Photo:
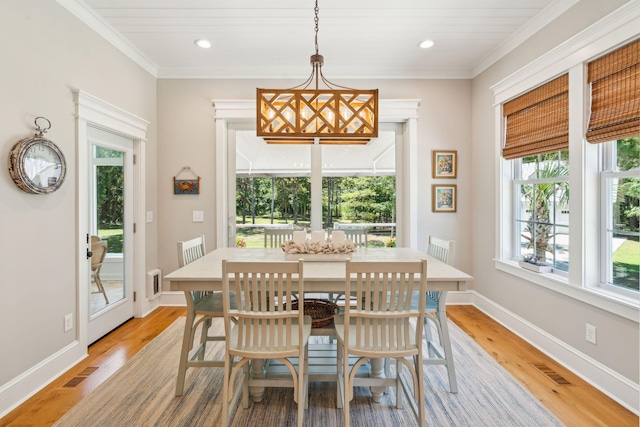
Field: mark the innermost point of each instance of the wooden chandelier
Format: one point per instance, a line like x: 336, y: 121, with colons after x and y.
x: 290, y: 116
x: 335, y: 115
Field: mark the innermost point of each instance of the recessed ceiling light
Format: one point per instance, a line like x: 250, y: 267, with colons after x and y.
x: 205, y: 44
x: 426, y: 44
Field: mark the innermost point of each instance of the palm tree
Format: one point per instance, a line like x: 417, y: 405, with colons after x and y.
x: 540, y: 198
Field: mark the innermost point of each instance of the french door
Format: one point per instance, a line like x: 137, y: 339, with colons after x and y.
x: 111, y: 221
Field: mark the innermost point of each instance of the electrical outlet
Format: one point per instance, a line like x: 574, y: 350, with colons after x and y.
x: 591, y: 333
x: 198, y: 216
x: 68, y: 322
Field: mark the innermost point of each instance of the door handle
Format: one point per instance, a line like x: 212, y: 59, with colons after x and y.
x: 89, y: 253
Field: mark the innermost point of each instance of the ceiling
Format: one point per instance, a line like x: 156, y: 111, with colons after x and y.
x: 358, y: 38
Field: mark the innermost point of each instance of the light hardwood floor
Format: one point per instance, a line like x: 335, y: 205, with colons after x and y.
x: 576, y: 403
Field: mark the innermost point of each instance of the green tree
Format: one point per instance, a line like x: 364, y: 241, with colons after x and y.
x: 541, y: 199
x: 369, y: 199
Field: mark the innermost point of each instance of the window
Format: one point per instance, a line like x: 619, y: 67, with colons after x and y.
x: 620, y: 181
x: 577, y: 206
x: 542, y: 214
x: 536, y: 142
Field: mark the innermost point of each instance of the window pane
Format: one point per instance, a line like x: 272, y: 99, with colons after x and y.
x: 564, y: 163
x: 103, y: 152
x: 560, y: 249
x: 529, y: 167
x: 625, y: 261
x: 628, y: 153
x: 359, y: 189
x: 624, y: 244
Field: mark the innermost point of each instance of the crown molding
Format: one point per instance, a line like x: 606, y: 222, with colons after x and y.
x: 537, y: 23
x: 612, y: 31
x: 85, y: 14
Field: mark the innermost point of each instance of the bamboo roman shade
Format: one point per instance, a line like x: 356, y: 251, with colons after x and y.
x: 538, y: 121
x: 615, y: 95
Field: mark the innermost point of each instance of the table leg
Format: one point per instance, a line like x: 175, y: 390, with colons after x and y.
x: 257, y: 371
x: 377, y: 371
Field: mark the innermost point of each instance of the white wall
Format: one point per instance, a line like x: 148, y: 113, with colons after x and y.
x: 186, y: 137
x: 554, y: 317
x: 47, y: 53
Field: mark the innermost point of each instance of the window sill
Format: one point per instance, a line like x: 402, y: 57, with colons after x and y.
x: 621, y: 306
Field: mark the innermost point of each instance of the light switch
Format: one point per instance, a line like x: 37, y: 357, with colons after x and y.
x: 198, y: 216
x: 149, y: 216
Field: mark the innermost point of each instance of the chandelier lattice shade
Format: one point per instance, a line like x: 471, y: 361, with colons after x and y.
x: 303, y: 115
x: 334, y: 116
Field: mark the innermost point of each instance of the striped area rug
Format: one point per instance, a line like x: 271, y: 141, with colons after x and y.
x: 141, y: 393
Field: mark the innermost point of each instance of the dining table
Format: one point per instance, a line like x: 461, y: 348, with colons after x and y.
x: 322, y: 274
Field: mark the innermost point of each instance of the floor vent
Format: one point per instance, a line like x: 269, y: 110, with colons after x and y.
x: 553, y: 375
x: 81, y: 376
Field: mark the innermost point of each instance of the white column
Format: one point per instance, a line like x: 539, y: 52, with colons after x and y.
x: 316, y: 187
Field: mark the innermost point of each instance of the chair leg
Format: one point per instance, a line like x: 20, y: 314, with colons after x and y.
x: 339, y: 374
x: 399, y: 388
x: 206, y: 324
x: 101, y: 288
x: 301, y: 389
x: 347, y: 390
x: 448, y: 355
x: 428, y: 335
x: 419, y: 393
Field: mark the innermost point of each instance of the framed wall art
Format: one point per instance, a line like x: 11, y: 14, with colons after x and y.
x: 186, y: 184
x: 443, y: 198
x: 444, y: 164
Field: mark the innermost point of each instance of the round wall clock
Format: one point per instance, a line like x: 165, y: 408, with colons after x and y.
x: 36, y: 164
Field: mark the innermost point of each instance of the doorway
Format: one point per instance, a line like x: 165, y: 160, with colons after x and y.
x: 110, y: 220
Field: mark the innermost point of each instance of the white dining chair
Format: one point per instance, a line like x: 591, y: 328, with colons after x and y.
x: 202, y: 308
x: 436, y: 312
x: 357, y: 235
x: 275, y: 237
x: 99, y: 249
x: 387, y: 324
x: 262, y: 327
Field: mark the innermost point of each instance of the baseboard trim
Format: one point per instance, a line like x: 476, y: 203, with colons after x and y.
x: 19, y: 389
x: 172, y: 298
x: 611, y: 383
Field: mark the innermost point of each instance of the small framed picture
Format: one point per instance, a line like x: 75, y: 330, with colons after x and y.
x: 444, y: 164
x: 443, y: 198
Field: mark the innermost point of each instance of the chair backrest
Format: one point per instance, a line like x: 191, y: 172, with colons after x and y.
x: 95, y: 238
x: 387, y: 303
x: 357, y: 236
x: 190, y: 250
x: 98, y: 253
x: 443, y: 250
x: 275, y: 237
x: 264, y: 317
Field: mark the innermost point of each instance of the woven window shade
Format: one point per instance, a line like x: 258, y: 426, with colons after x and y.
x: 538, y: 121
x: 615, y: 95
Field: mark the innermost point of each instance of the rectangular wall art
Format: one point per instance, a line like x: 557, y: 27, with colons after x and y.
x: 443, y: 198
x: 444, y: 164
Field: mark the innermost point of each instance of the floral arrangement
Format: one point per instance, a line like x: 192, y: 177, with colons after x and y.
x: 323, y: 247
x: 391, y: 243
x: 240, y: 243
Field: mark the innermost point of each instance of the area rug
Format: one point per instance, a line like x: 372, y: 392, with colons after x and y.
x: 141, y: 393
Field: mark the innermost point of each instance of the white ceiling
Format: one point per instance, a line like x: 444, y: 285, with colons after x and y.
x: 358, y: 38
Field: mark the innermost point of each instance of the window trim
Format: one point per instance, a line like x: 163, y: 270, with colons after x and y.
x: 611, y: 32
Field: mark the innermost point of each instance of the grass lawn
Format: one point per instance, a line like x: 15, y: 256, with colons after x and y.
x: 114, y: 238
x: 626, y: 265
